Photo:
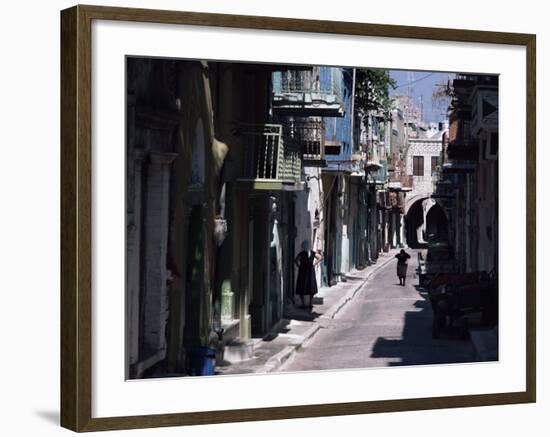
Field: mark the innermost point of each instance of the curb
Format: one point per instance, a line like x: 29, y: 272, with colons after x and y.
x: 277, y: 360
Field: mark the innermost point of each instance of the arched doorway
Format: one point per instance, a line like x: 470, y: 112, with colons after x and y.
x: 414, y: 223
x: 425, y: 220
x: 436, y: 224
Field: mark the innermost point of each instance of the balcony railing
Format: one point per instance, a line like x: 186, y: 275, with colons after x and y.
x: 314, y: 92
x: 310, y: 135
x: 271, y: 160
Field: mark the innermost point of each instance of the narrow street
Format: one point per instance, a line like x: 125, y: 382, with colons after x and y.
x: 306, y: 174
x: 385, y: 325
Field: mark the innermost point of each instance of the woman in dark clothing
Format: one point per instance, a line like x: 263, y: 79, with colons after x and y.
x: 306, y: 283
x: 402, y: 258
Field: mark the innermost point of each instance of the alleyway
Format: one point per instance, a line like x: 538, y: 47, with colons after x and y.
x: 385, y: 325
x: 249, y: 186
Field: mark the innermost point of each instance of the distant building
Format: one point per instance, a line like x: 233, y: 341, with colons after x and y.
x: 424, y: 216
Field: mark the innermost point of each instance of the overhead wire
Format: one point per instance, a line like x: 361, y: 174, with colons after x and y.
x: 414, y: 81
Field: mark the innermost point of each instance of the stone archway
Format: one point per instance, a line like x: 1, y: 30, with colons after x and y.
x: 425, y: 219
x: 436, y: 223
x: 414, y: 224
x: 412, y: 198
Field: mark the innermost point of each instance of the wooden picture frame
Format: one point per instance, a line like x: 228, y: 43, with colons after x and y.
x: 76, y: 217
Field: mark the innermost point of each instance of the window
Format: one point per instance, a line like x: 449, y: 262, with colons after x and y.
x: 435, y: 163
x: 418, y: 166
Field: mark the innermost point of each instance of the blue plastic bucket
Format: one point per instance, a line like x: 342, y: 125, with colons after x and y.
x: 203, y: 361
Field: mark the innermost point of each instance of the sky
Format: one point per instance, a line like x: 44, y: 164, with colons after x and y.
x: 423, y: 87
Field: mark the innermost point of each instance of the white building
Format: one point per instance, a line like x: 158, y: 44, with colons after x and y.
x: 422, y: 163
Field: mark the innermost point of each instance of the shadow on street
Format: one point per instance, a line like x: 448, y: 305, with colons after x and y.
x: 416, y: 346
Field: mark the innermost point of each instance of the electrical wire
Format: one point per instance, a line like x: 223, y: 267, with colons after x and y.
x: 414, y: 81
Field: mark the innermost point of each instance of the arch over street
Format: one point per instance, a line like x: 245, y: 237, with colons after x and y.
x: 425, y: 219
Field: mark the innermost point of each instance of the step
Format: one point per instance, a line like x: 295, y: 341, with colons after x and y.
x: 236, y: 350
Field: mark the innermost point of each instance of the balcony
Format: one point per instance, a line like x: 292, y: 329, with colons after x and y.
x: 310, y: 135
x: 399, y: 182
x: 377, y: 172
x: 308, y: 93
x: 372, y: 164
x: 460, y: 126
x: 271, y: 161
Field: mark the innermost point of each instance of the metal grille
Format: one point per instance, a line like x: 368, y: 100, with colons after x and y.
x: 310, y: 135
x: 268, y: 156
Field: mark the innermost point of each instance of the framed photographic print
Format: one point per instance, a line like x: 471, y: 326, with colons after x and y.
x: 267, y: 218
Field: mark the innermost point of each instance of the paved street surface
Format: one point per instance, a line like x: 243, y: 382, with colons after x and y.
x: 384, y: 325
x: 299, y: 325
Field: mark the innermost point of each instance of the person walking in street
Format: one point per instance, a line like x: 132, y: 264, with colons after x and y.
x: 402, y: 258
x: 306, y: 283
